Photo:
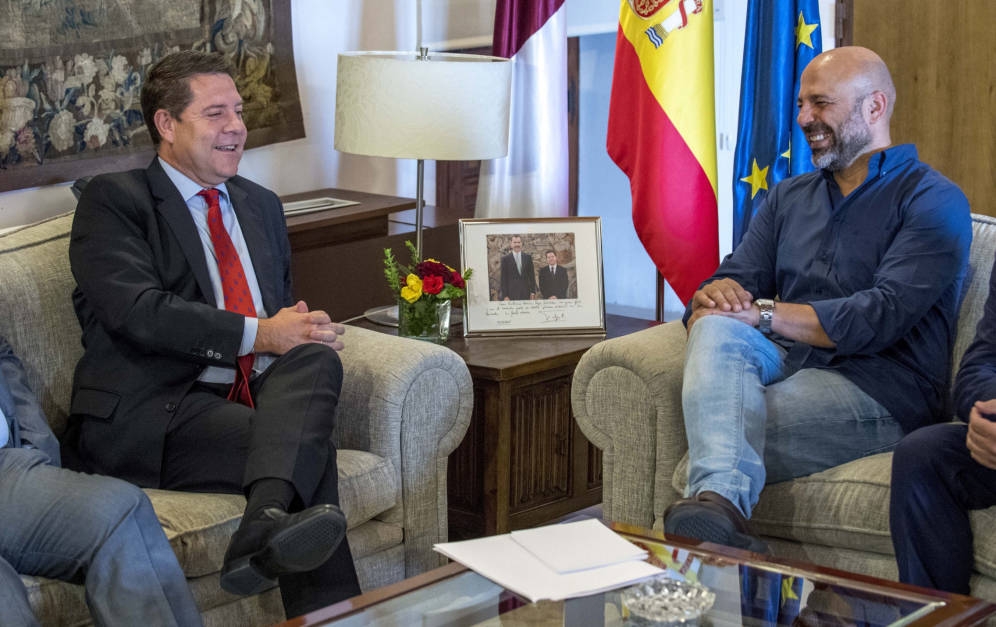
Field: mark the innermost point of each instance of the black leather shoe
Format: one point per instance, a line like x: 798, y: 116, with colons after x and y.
x: 710, y: 517
x: 274, y: 543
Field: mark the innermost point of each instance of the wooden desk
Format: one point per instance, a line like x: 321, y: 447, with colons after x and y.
x: 370, y: 218
x: 524, y: 460
x: 337, y: 255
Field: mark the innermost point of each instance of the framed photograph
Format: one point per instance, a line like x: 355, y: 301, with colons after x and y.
x: 537, y: 276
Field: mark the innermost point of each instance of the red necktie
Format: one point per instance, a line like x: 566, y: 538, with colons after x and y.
x: 234, y: 287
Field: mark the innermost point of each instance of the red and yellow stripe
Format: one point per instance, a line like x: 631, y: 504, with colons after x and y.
x: 662, y: 134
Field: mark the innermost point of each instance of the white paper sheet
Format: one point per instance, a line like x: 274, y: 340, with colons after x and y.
x: 577, y: 546
x: 506, y: 562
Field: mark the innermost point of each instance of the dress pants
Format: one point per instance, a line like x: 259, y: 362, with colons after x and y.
x: 215, y: 445
x: 935, y: 483
x: 100, y: 531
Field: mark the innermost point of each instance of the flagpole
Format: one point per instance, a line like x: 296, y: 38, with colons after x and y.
x: 659, y: 313
x: 418, y: 25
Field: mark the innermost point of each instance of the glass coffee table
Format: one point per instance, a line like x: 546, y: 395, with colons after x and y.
x: 750, y: 589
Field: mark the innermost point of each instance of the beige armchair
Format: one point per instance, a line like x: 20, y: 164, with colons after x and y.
x: 405, y: 406
x: 626, y: 398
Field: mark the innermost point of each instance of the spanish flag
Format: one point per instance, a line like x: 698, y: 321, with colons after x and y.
x: 662, y: 134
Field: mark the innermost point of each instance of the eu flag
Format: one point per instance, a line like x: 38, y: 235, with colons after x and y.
x: 782, y: 37
x: 769, y: 598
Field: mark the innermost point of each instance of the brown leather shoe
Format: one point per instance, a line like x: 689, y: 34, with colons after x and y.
x: 710, y: 517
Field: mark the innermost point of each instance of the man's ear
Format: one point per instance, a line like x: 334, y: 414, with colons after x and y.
x: 877, y: 105
x: 165, y: 124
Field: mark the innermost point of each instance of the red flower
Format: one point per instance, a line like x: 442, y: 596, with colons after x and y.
x: 458, y: 281
x: 431, y: 267
x: 432, y: 284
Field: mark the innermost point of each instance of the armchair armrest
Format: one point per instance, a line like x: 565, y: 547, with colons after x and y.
x: 410, y: 402
x: 626, y: 397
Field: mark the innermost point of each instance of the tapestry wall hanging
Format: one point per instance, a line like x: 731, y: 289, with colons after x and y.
x: 71, y: 72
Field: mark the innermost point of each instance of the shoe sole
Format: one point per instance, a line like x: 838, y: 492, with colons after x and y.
x: 241, y: 578
x: 300, y: 548
x: 306, y: 546
x: 708, y: 526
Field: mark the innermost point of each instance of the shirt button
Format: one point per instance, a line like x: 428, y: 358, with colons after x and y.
x: 171, y: 407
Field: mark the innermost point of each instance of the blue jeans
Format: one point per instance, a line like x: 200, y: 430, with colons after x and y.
x: 749, y: 424
x: 97, y: 530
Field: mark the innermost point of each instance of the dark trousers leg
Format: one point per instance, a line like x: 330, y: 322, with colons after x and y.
x: 935, y: 483
x: 214, y: 445
x: 334, y: 580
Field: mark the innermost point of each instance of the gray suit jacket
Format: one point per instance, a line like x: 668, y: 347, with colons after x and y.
x: 146, y: 305
x: 25, y: 418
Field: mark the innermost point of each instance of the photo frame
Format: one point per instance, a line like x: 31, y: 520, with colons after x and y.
x: 555, y: 287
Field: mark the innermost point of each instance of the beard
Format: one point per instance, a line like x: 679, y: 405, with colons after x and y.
x: 846, y: 143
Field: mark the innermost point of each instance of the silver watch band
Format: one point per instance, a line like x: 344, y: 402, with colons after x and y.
x: 767, y: 308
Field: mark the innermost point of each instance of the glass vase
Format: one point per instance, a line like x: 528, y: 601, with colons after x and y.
x: 424, y: 319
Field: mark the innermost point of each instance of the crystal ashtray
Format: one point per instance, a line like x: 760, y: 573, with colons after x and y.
x: 665, y: 601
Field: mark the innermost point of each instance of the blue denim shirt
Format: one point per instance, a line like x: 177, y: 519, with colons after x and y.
x: 883, y: 269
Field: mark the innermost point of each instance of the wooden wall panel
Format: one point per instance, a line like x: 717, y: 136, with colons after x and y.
x: 943, y: 60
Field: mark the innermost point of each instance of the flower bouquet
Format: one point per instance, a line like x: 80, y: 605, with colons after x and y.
x: 425, y: 290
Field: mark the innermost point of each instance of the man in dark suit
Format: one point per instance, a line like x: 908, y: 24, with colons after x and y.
x: 552, y: 278
x: 200, y: 372
x: 72, y: 526
x: 518, y: 279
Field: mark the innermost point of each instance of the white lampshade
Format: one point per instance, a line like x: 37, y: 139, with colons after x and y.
x: 446, y: 107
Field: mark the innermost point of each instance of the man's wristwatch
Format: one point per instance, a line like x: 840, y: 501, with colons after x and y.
x: 767, y: 309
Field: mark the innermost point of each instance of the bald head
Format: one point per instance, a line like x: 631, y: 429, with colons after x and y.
x: 859, y: 68
x: 846, y: 97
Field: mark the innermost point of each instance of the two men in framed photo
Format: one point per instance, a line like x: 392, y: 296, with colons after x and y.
x: 533, y: 272
x: 538, y: 276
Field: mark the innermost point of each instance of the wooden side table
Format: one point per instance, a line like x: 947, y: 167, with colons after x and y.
x: 338, y: 254
x: 524, y: 460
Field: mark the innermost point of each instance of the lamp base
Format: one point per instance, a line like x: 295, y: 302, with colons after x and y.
x: 386, y: 315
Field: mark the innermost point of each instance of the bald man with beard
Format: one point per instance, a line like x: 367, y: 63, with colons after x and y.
x: 826, y: 335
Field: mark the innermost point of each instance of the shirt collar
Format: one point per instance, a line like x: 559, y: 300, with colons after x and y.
x: 882, y: 162
x: 187, y: 188
x: 885, y: 160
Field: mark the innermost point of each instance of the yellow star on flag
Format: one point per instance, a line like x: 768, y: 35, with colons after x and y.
x: 787, y: 591
x: 803, y: 32
x: 788, y: 153
x: 758, y: 179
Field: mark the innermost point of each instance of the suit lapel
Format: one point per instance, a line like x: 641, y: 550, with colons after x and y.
x: 174, y: 209
x: 251, y: 223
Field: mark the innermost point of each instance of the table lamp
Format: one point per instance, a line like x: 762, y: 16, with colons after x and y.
x: 417, y: 105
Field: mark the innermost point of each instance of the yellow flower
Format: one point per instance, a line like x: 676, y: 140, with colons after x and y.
x: 413, y: 290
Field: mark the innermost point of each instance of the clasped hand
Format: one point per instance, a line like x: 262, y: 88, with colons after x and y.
x: 981, y: 439
x: 724, y: 297
x: 293, y: 326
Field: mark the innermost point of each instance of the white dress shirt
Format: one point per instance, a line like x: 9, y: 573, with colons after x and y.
x: 4, y: 429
